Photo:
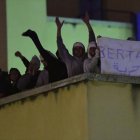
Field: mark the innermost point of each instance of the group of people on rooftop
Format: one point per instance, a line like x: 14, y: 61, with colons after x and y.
x: 59, y: 67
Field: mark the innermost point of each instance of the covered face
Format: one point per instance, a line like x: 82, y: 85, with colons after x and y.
x: 78, y: 50
x: 91, y: 49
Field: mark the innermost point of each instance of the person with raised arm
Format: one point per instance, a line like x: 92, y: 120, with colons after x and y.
x: 23, y: 59
x: 29, y: 79
x: 56, y: 68
x: 74, y: 63
x: 5, y: 85
x: 92, y: 63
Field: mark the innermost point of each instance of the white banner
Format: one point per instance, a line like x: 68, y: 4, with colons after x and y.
x: 121, y: 57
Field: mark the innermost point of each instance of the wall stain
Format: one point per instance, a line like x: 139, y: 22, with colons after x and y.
x: 56, y: 92
x: 23, y: 100
x: 33, y: 98
x: 135, y: 93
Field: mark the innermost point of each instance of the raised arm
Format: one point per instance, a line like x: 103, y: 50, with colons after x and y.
x: 59, y: 36
x: 90, y: 30
x: 63, y: 52
x: 52, y: 61
x: 34, y: 37
x: 47, y: 55
x: 23, y: 59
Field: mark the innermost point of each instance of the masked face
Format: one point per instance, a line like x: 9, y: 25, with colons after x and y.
x: 78, y: 51
x: 92, y: 51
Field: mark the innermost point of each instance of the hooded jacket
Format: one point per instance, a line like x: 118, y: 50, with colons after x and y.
x: 91, y: 64
x: 74, y: 64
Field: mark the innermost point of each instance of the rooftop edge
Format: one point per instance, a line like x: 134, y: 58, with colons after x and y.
x: 69, y: 81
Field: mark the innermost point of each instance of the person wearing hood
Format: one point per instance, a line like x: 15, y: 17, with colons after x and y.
x: 29, y: 79
x: 73, y: 63
x: 92, y: 63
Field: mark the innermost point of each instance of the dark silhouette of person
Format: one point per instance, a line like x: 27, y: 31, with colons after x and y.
x: 5, y: 86
x: 14, y: 76
x: 57, y: 70
x: 29, y: 79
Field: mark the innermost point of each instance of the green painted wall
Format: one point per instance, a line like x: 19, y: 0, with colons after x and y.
x: 112, y: 111
x: 22, y: 15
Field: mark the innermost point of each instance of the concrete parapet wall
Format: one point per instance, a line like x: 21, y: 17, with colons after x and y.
x: 83, y: 107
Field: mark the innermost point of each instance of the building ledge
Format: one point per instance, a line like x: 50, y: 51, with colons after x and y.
x: 69, y: 81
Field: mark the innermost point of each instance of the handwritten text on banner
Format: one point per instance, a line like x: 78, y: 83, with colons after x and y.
x: 121, y: 57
